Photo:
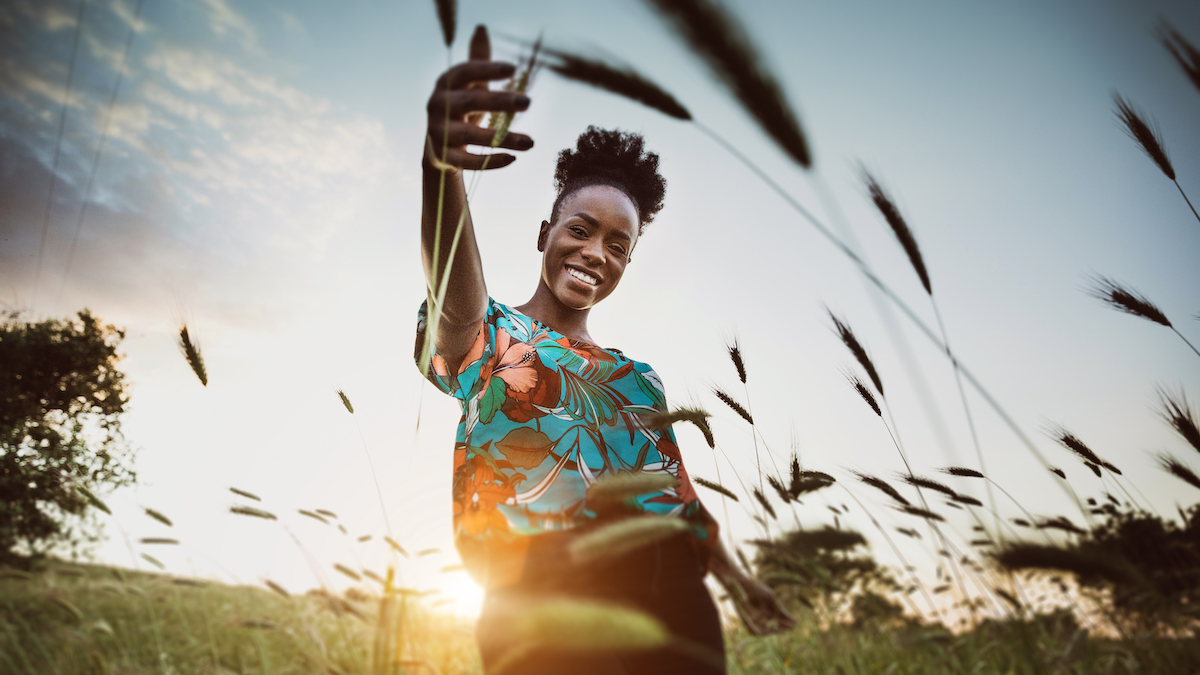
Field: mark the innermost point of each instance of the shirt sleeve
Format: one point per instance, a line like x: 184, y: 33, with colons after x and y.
x: 473, y: 375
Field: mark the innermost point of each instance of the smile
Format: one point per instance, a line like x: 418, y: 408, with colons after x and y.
x: 583, y: 276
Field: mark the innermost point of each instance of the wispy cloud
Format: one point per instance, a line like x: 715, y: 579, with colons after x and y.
x: 224, y: 20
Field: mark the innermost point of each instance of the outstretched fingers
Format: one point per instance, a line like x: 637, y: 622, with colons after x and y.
x: 465, y: 160
x: 463, y: 74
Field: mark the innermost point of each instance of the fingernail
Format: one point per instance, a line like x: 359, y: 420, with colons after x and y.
x: 522, y: 102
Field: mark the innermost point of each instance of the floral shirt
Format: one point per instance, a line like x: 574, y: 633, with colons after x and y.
x: 543, y: 418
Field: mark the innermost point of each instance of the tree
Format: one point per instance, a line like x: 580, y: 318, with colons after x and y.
x: 61, y: 401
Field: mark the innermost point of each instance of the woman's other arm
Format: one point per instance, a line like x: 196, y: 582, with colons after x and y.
x: 460, y: 91
x: 756, y: 603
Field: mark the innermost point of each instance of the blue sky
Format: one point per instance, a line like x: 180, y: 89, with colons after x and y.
x: 260, y: 182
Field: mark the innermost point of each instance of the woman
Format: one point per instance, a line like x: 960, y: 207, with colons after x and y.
x: 547, y: 412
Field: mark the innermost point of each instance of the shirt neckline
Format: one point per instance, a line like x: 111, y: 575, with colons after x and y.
x: 572, y: 342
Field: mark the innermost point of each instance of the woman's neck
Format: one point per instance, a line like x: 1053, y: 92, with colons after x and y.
x: 548, y: 310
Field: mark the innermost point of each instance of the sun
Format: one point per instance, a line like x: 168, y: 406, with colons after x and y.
x: 465, y: 594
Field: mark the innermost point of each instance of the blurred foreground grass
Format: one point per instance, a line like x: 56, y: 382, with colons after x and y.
x: 68, y: 618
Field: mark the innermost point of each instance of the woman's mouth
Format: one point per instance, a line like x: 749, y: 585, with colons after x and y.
x: 583, y: 276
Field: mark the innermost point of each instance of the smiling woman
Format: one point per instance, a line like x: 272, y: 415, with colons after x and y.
x: 548, y: 413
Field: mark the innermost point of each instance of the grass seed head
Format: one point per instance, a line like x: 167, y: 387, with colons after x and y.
x: 1187, y: 56
x: 1174, y: 408
x: 1126, y: 300
x: 1178, y: 469
x: 861, y: 387
x: 762, y: 499
x: 622, y: 485
x: 277, y: 588
x: 159, y: 517
x: 900, y: 228
x: 717, y: 37
x: 623, y: 536
x: 715, y: 487
x: 93, y: 499
x: 733, y: 405
x: 247, y: 495
x: 191, y: 352
x: 860, y: 354
x: 920, y: 513
x: 159, y: 540
x: 962, y: 472
x: 347, y: 571
x: 579, y: 625
x: 620, y: 80
x: 1145, y: 135
x: 447, y: 14
x: 929, y: 484
x: 251, y: 511
x: 695, y: 416
x: 968, y: 500
x: 882, y: 486
x: 784, y: 493
x: 345, y: 401
x: 735, y: 355
x: 396, y: 546
x: 312, y: 515
x: 1058, y: 472
x: 153, y: 561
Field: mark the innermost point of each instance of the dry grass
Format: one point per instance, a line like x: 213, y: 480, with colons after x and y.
x: 191, y: 352
x: 860, y: 354
x: 1126, y: 300
x: 861, y: 387
x: 900, y: 228
x: 1175, y: 410
x: 695, y: 416
x: 882, y: 486
x: 447, y: 14
x: 623, y: 536
x: 715, y: 487
x: 345, y: 401
x: 717, y: 37
x: 929, y: 484
x: 1187, y: 56
x: 1142, y: 132
x: 962, y: 472
x: 620, y: 80
x: 733, y: 405
x: 1178, y: 469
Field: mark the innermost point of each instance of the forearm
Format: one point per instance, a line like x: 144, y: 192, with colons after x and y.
x: 444, y: 210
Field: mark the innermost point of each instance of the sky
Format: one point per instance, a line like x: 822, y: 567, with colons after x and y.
x: 258, y: 179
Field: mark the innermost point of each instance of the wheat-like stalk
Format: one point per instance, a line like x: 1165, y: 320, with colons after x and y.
x: 861, y: 387
x: 447, y: 14
x: 347, y: 571
x: 784, y: 493
x: 1072, y: 443
x: 277, y: 588
x: 1147, y: 138
x: 621, y: 80
x: 920, y: 512
x: 1176, y: 411
x: 247, y: 495
x: 715, y: 487
x: 733, y: 405
x: 314, y: 516
x: 159, y: 541
x: 622, y: 485
x: 623, y: 536
x: 962, y: 472
x: 966, y: 499
x: 1178, y: 469
x: 735, y: 355
x: 717, y: 37
x: 846, y: 334
x: 191, y: 351
x: 1059, y: 523
x: 251, y: 511
x: 1187, y: 56
x: 695, y: 416
x: 1058, y: 472
x: 153, y: 561
x: 928, y: 483
x: 396, y: 546
x: 1126, y: 300
x: 900, y: 228
x: 93, y: 499
x: 882, y: 486
x: 159, y: 517
x: 762, y: 499
x: 345, y: 401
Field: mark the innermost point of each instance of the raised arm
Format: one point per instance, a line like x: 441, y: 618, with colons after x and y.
x: 460, y: 91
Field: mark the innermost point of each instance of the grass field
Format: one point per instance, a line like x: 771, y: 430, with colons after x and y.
x: 69, y: 618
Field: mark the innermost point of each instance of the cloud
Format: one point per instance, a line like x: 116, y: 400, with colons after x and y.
x: 222, y: 20
x: 292, y: 24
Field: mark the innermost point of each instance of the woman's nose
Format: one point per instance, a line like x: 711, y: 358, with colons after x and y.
x: 594, y: 250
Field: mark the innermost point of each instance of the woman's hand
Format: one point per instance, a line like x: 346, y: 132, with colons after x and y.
x: 755, y: 602
x: 455, y: 109
x: 757, y: 605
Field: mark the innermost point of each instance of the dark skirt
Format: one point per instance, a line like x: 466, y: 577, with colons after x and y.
x: 664, y: 580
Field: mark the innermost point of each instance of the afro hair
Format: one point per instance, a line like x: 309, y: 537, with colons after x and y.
x: 614, y: 158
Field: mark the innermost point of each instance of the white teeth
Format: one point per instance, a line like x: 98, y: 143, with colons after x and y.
x: 582, y: 276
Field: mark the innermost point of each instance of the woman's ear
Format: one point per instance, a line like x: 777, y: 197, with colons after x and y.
x: 543, y: 232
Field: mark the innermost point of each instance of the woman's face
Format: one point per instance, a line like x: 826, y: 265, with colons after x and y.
x: 584, y: 254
